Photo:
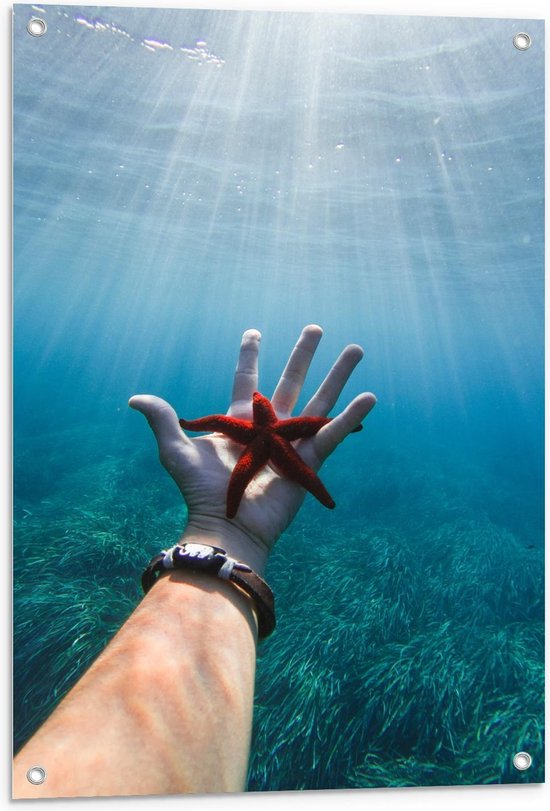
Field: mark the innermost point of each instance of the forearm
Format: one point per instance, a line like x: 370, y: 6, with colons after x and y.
x: 167, y: 707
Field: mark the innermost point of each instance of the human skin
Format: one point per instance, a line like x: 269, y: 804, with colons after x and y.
x: 166, y: 709
x: 167, y: 706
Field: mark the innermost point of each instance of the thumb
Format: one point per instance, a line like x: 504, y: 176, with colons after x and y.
x: 161, y: 417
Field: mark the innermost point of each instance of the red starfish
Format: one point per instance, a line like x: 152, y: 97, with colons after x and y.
x: 266, y: 439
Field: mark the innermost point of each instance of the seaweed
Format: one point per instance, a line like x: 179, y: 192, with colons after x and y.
x: 409, y: 648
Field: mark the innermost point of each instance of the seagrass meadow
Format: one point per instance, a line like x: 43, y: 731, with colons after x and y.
x: 409, y: 647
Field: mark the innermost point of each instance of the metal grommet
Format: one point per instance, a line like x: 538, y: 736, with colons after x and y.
x: 522, y: 761
x: 36, y: 775
x: 37, y: 27
x: 522, y: 41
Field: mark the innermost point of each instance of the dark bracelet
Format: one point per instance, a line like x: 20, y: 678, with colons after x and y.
x: 200, y: 557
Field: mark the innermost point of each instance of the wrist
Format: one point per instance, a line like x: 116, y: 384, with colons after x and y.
x: 179, y: 589
x: 198, y: 555
x: 235, y: 541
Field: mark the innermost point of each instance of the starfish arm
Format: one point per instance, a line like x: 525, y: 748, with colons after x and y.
x: 290, y: 464
x: 304, y: 427
x: 240, y: 431
x: 300, y: 427
x: 250, y: 461
x: 263, y: 412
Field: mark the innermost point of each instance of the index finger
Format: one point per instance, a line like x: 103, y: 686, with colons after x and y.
x: 245, y: 382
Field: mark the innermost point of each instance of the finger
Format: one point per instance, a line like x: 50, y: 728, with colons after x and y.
x: 330, y: 389
x: 293, y: 376
x: 245, y: 382
x: 161, y: 417
x: 337, y: 429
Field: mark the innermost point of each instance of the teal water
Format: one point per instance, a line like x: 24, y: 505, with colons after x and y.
x: 180, y: 176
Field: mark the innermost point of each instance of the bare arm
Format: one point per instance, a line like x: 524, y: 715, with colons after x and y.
x: 167, y: 707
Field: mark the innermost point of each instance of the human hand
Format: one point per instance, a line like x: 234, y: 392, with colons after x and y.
x: 202, y: 466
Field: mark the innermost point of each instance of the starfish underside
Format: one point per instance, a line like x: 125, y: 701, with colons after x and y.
x: 266, y: 439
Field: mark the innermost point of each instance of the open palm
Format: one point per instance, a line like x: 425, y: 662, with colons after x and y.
x: 202, y: 466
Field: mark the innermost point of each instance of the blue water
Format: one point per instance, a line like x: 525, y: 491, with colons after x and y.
x: 181, y: 176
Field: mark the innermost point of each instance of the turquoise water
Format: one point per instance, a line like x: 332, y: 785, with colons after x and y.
x: 181, y: 176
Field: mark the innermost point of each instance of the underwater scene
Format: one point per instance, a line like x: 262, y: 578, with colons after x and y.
x: 181, y: 176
